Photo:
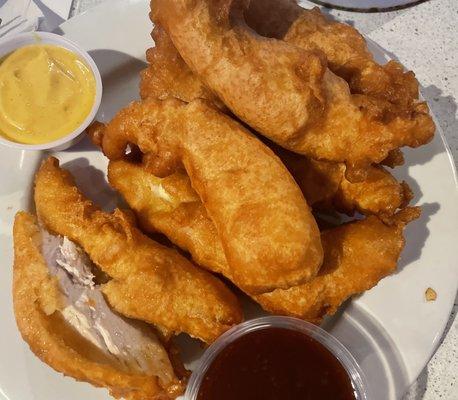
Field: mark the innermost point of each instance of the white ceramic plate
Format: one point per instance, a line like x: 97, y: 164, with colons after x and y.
x: 391, y: 330
x: 365, y: 5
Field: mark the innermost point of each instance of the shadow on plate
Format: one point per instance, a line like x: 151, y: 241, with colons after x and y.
x: 16, y: 177
x: 120, y: 78
x: 445, y: 110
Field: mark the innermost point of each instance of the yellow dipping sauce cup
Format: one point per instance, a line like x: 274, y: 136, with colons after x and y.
x: 50, y: 90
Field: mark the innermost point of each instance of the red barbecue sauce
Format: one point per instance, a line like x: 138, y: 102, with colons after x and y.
x: 276, y: 364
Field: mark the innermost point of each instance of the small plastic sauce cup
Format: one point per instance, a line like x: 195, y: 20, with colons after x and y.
x: 329, y: 342
x: 10, y: 44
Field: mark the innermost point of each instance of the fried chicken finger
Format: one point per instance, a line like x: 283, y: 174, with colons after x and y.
x: 344, y: 48
x: 288, y: 93
x: 269, y: 235
x: 357, y: 255
x: 148, y: 281
x: 143, y: 372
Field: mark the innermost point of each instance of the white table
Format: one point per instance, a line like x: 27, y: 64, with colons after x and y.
x: 425, y: 39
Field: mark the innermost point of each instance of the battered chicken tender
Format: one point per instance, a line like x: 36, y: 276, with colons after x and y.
x: 326, y: 188
x: 344, y: 48
x: 323, y: 184
x: 356, y: 255
x: 148, y: 282
x: 39, y: 314
x: 380, y: 194
x: 171, y: 206
x: 268, y: 233
x: 287, y: 93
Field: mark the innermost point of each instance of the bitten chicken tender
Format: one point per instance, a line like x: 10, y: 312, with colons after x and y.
x: 268, y: 233
x: 148, y: 282
x: 38, y: 307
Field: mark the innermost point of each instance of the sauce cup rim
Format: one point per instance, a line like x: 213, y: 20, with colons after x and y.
x: 339, y: 351
x: 12, y: 43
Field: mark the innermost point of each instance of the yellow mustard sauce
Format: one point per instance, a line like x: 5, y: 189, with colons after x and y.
x: 46, y: 92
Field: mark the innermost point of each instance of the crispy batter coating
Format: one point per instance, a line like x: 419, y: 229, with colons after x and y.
x: 356, y: 255
x: 36, y: 301
x: 287, y: 93
x: 379, y: 194
x: 326, y: 187
x: 171, y: 206
x: 261, y: 68
x: 395, y: 158
x: 268, y: 233
x: 344, y: 47
x: 168, y: 75
x: 148, y: 281
x: 323, y: 184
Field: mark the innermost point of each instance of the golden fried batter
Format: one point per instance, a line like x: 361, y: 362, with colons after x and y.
x: 344, y: 48
x: 378, y: 194
x: 287, y: 93
x: 148, y: 281
x: 36, y: 300
x: 323, y: 183
x: 326, y: 188
x: 168, y: 76
x: 171, y: 206
x: 268, y: 233
x: 356, y: 255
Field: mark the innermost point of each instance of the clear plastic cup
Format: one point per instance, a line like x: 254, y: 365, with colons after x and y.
x: 330, y: 342
x: 9, y: 44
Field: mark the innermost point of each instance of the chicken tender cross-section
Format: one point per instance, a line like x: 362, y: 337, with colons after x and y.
x: 67, y: 323
x: 148, y: 281
x: 269, y: 236
x: 285, y: 92
x: 356, y: 255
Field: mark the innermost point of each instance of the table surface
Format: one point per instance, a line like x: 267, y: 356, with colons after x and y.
x: 423, y: 38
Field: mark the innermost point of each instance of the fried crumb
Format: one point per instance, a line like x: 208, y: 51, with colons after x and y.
x: 430, y: 294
